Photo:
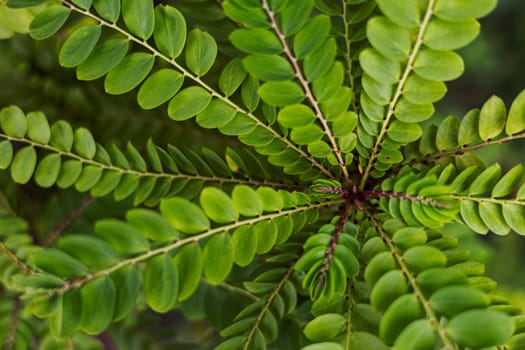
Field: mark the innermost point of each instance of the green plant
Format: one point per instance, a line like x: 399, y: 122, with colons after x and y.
x: 330, y: 232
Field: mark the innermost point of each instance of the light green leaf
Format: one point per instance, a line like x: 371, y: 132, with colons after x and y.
x: 469, y: 128
x: 79, y: 45
x: 438, y: 65
x: 442, y: 35
x: 184, y: 215
x: 492, y: 216
x: 486, y: 180
x: 151, y: 225
x: 387, y: 289
x: 244, y: 245
x: 218, y: 258
x: 323, y: 346
x: 218, y: 206
x: 457, y: 10
x: 451, y: 300
x: 69, y: 173
x: 256, y: 41
x: 379, y: 67
x: 281, y: 93
x: 88, y: 178
x: 422, y: 91
x: 470, y: 214
x: 123, y: 237
x: 23, y: 165
x: 311, y: 36
x: 403, y: 13
x: 325, y: 327
x: 49, y: 21
x: 65, y: 320
x: 218, y: 113
x: 107, y: 9
x: 389, y: 39
x: 508, y: 182
x: 127, y: 283
x: 139, y: 17
x: 92, y: 251
x: 247, y: 201
x: 13, y: 121
x: 266, y: 235
x: 403, y: 311
x: 161, y: 283
x: 412, y: 113
x: 404, y: 132
x: 424, y: 257
x: 418, y: 335
x: 293, y: 18
x: 318, y: 62
x: 200, y: 52
x: 47, y: 170
x: 492, y: 118
x: 159, y: 88
x: 98, y: 303
x: 129, y: 73
x: 6, y: 154
x: 253, y: 17
x: 169, y: 30
x: 465, y: 328
x: 514, y: 215
x: 305, y: 135
x: 189, y: 263
x: 268, y: 67
x: 38, y: 128
x: 104, y: 57
x: 447, y: 134
x: 84, y: 143
x: 364, y: 341
x: 296, y: 115
x: 58, y: 263
x: 188, y: 103
x: 232, y: 76
x: 516, y: 118
x: 83, y: 4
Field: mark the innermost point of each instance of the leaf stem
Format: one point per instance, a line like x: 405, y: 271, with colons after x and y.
x: 431, y: 315
x: 79, y: 282
x: 348, y: 57
x: 267, y: 305
x: 399, y: 92
x: 200, y: 82
x: 307, y: 91
x: 143, y: 174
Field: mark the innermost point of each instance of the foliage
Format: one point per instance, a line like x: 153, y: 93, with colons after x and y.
x: 323, y: 225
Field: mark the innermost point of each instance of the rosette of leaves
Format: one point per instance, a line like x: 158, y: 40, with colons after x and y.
x: 327, y: 230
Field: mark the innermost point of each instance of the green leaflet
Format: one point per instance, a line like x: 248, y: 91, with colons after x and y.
x: 79, y: 45
x: 92, y: 251
x: 200, y: 52
x: 102, y: 59
x: 47, y: 171
x: 48, y: 22
x: 379, y: 67
x: 84, y: 143
x: 244, y: 245
x: 457, y: 10
x: 152, y: 225
x: 58, y: 263
x: 107, y: 9
x: 98, y: 302
x: 492, y: 118
x: 405, y: 14
x: 188, y: 103
x: 189, y: 263
x: 169, y: 31
x: 438, y: 65
x: 161, y: 283
x: 129, y: 73
x: 293, y: 17
x: 403, y: 311
x: 13, y: 121
x: 516, y: 118
x: 38, y: 128
x: 159, y: 88
x: 443, y: 35
x: 218, y: 258
x: 268, y: 67
x: 65, y: 320
x: 127, y: 285
x: 218, y: 206
x: 463, y: 328
x: 417, y: 335
x: 6, y: 154
x: 325, y: 327
x: 281, y: 93
x: 216, y: 114
x: 246, y: 201
x: 232, y: 76
x: 139, y: 17
x: 23, y: 165
x: 123, y: 237
x: 311, y: 36
x: 256, y: 41
x: 184, y: 215
x: 389, y: 39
